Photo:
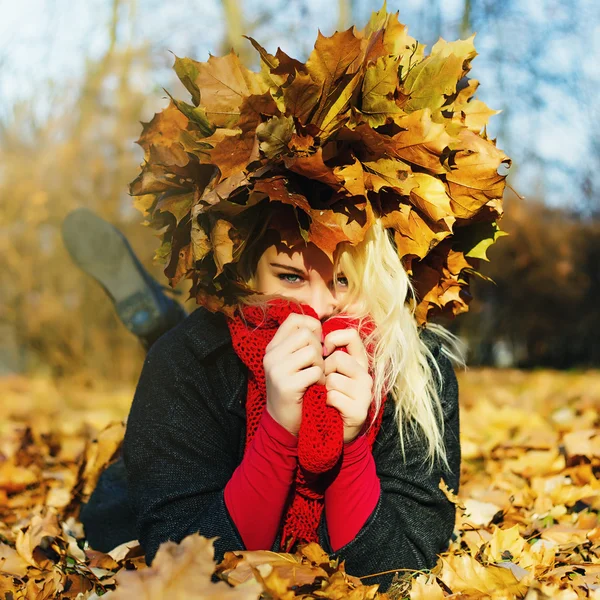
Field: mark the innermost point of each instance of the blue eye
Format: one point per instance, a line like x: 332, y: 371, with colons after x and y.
x: 343, y: 281
x: 284, y: 276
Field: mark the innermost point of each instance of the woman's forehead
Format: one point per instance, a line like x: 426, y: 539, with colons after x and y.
x: 307, y: 256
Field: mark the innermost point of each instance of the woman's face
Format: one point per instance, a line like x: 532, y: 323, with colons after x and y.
x: 303, y: 273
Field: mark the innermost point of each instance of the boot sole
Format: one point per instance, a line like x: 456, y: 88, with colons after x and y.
x: 102, y: 251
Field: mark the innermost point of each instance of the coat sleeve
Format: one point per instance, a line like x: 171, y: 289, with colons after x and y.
x: 179, y: 452
x: 413, y: 521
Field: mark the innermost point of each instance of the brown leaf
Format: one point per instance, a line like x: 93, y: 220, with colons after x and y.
x: 274, y: 135
x: 29, y: 539
x: 301, y: 96
x: 186, y: 261
x: 162, y: 135
x: 413, y: 234
x: 329, y: 61
x: 423, y: 141
x: 475, y: 180
x: 233, y: 153
x: 313, y: 167
x: 225, y: 84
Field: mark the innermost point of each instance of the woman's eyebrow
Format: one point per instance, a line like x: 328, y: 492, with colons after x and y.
x: 294, y: 269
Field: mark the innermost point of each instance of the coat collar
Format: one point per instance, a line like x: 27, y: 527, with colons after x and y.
x: 208, y: 331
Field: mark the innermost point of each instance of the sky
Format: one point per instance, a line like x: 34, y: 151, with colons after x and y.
x: 44, y: 40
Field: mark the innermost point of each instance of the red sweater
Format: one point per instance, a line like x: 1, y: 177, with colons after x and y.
x: 256, y: 493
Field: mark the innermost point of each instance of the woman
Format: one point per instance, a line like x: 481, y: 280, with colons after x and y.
x: 184, y: 451
x: 306, y: 400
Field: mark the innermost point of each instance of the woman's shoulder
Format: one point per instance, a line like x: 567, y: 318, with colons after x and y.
x: 433, y: 342
x: 199, y: 335
x: 447, y: 383
x: 193, y: 360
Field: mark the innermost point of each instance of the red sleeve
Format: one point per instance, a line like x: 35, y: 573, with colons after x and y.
x: 256, y: 493
x: 353, y: 494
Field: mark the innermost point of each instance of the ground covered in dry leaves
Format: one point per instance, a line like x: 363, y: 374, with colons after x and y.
x: 527, y: 522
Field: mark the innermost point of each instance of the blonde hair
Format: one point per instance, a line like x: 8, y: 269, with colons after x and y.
x: 401, y: 359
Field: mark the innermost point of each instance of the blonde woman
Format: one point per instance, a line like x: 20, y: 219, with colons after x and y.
x: 191, y: 467
x: 308, y: 398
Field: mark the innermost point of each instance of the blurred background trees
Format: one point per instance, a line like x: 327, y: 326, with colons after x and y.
x: 67, y: 139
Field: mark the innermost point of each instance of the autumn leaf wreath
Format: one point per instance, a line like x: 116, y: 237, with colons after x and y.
x: 370, y: 126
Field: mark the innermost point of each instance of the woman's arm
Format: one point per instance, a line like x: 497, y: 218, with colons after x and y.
x: 353, y: 495
x: 413, y: 520
x: 256, y: 494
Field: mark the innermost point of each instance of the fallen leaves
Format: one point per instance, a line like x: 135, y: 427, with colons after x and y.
x: 367, y: 115
x: 527, y: 513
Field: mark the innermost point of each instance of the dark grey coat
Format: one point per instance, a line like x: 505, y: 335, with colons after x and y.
x: 185, y: 437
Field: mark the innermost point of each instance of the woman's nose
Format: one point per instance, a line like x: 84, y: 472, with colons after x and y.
x: 323, y: 301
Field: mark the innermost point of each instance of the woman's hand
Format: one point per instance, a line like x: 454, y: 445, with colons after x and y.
x: 347, y: 379
x: 293, y: 362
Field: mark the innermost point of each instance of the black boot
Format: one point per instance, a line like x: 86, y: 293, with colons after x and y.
x: 102, y: 251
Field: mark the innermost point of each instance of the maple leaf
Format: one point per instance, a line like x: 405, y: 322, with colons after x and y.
x: 473, y: 177
x: 99, y: 453
x: 233, y: 153
x: 389, y: 173
x: 312, y: 166
x: 181, y: 571
x: 301, y: 96
x: 378, y: 90
x: 220, y: 86
x: 274, y: 135
x: 475, y: 239
x: 329, y: 62
x: 463, y: 573
x: 435, y: 78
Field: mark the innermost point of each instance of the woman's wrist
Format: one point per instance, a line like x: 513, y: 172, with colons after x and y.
x: 277, y: 431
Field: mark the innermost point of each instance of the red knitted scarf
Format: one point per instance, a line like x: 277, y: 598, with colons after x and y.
x: 320, y: 439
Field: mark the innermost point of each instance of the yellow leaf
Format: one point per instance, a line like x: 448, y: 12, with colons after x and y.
x: 301, y: 96
x: 430, y: 81
x: 224, y: 83
x: 430, y: 196
x: 422, y: 141
x: 221, y: 243
x: 389, y: 173
x: 475, y: 179
x: 378, y: 89
x: 353, y: 178
x: 182, y: 571
x: 462, y: 573
x: 329, y: 61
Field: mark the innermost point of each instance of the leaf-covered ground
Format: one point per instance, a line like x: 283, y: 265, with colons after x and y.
x: 527, y: 522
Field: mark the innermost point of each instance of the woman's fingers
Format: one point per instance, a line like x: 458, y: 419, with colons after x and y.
x: 306, y: 377
x: 291, y: 324
x: 300, y: 338
x: 340, y: 401
x: 340, y: 383
x: 351, y: 340
x: 341, y: 362
x: 305, y: 357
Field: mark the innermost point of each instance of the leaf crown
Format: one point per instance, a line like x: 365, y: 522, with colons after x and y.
x: 369, y: 127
